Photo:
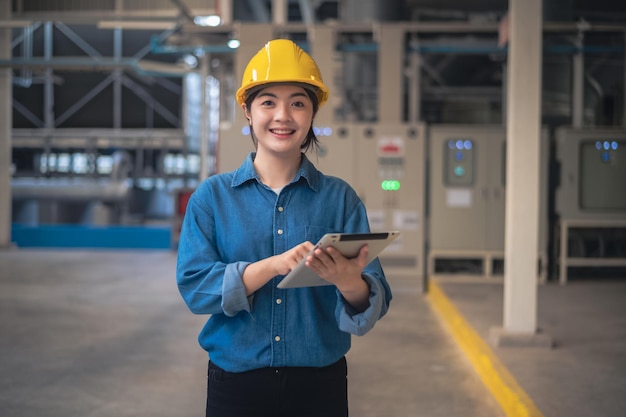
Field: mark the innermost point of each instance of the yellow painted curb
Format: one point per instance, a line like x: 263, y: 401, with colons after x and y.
x: 502, y: 385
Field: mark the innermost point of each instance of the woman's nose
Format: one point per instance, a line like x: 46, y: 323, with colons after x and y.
x: 283, y: 112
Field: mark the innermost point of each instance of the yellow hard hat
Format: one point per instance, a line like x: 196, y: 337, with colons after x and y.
x: 282, y: 61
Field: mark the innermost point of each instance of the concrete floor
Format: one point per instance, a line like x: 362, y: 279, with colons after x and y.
x: 105, y: 333
x: 585, y: 373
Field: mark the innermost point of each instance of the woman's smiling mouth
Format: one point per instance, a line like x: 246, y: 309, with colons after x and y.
x: 283, y: 132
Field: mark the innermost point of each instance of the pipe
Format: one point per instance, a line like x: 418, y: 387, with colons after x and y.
x: 141, y: 67
x: 157, y: 47
x: 487, y: 49
x: 73, y: 189
x: 80, y: 63
x: 115, y: 188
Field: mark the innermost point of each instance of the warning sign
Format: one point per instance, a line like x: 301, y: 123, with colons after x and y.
x: 391, y: 146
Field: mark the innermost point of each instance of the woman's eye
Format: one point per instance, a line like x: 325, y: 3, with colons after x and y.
x: 267, y: 103
x: 298, y: 104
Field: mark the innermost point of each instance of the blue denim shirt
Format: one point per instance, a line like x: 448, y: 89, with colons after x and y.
x: 233, y: 220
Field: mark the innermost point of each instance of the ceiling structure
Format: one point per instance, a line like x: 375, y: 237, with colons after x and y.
x: 458, y: 65
x: 114, y: 74
x: 314, y: 11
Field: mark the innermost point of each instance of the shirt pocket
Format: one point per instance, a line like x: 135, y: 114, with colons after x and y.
x: 315, y: 233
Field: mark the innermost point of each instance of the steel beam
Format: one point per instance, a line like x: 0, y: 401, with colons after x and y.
x: 6, y: 121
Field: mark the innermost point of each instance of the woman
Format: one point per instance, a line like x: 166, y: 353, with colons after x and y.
x: 277, y: 352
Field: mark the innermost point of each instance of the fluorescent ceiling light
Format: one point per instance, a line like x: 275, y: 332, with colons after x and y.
x: 211, y: 20
x: 136, y: 24
x: 190, y: 60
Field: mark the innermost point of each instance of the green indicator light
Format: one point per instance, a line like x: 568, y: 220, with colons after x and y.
x: 390, y: 185
x: 459, y: 171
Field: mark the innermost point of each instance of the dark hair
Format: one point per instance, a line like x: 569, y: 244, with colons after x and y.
x: 311, y: 139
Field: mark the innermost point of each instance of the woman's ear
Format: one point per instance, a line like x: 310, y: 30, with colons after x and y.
x: 245, y: 112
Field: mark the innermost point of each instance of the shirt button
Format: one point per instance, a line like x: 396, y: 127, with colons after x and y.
x: 280, y: 209
x: 277, y: 338
x: 279, y: 301
x: 280, y: 231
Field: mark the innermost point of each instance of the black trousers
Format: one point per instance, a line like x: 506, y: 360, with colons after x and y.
x: 275, y: 392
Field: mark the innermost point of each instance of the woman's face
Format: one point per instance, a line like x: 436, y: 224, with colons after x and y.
x: 280, y: 118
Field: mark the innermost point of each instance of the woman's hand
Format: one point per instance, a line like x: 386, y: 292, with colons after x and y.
x: 282, y: 264
x: 344, y: 273
x: 259, y: 273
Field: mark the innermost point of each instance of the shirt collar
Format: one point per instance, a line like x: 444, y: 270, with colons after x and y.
x: 246, y: 172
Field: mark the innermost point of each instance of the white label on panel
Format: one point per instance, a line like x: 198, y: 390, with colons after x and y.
x: 459, y: 197
x: 376, y: 219
x: 405, y: 219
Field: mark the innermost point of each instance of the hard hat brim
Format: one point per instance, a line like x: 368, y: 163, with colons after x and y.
x: 320, y: 90
x: 260, y: 86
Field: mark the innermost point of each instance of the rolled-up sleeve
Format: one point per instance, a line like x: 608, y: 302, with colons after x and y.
x: 234, y: 298
x: 359, y: 323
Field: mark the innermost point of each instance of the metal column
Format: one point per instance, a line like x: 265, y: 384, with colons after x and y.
x: 204, y: 127
x: 6, y: 122
x: 322, y: 39
x: 224, y: 9
x: 578, y: 84
x: 414, y: 87
x: 48, y: 87
x: 117, y: 79
x: 390, y: 59
x: 522, y: 173
x: 279, y: 12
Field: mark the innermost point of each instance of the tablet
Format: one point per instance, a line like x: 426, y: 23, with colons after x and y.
x: 348, y: 244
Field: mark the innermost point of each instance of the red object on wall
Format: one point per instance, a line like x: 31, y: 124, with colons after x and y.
x: 183, y: 199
